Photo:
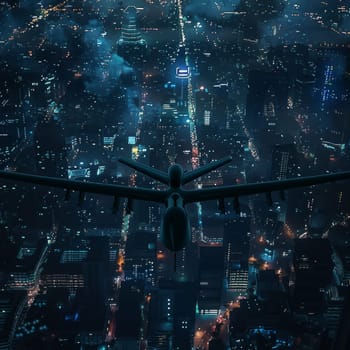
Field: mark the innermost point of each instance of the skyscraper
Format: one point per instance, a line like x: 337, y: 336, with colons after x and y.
x: 131, y: 46
x: 50, y: 149
x: 266, y: 107
x: 284, y: 162
x: 283, y: 166
x: 12, y: 305
x: 172, y: 316
x: 129, y: 316
x: 203, y: 106
x: 96, y: 271
x: 313, y: 274
x: 211, y: 274
x: 140, y: 257
x: 236, y: 245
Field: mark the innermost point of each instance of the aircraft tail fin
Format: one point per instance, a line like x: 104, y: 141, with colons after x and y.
x: 145, y: 169
x: 194, y: 174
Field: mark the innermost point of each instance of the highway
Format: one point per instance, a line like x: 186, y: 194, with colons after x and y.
x: 202, y: 335
x: 195, y: 156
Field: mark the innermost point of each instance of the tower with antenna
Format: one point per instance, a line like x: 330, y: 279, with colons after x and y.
x: 131, y: 46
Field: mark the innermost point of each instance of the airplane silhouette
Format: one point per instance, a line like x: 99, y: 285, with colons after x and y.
x: 175, y: 228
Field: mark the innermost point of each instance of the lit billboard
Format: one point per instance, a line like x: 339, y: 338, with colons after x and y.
x: 183, y: 72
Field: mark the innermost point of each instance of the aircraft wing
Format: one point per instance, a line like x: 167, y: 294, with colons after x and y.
x: 90, y: 187
x: 263, y: 187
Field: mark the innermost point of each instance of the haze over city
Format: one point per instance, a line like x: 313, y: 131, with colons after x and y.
x: 84, y: 83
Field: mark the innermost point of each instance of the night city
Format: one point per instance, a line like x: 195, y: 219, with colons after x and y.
x: 175, y: 174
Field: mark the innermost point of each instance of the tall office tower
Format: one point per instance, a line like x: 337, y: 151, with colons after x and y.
x: 52, y: 90
x: 338, y: 303
x: 330, y: 91
x: 163, y: 149
x: 129, y: 326
x: 328, y: 83
x: 236, y: 247
x: 267, y: 285
x: 319, y: 223
x: 284, y: 162
x: 172, y: 316
x: 12, y: 305
x: 273, y: 297
x: 339, y: 236
x: 65, y: 270
x: 336, y: 299
x: 96, y: 270
x: 341, y: 109
x: 13, y: 113
x: 131, y: 46
x: 204, y: 106
x: 50, y: 149
x: 141, y: 257
x: 266, y: 106
x: 342, y: 341
x: 313, y: 274
x: 186, y: 263
x: 304, y: 99
x: 169, y: 93
x: 93, y: 300
x: 211, y: 279
x: 222, y: 107
x: 24, y: 270
x: 283, y: 165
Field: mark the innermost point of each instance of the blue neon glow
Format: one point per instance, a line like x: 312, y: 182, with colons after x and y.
x: 182, y: 72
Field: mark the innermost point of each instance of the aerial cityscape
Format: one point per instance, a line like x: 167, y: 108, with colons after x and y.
x: 84, y: 83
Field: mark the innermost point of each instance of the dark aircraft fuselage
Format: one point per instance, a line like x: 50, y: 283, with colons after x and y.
x: 175, y: 227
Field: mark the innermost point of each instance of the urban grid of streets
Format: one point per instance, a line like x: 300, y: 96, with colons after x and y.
x: 204, y: 325
x: 201, y: 338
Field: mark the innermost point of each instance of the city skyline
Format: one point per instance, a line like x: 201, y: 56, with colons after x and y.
x: 85, y: 83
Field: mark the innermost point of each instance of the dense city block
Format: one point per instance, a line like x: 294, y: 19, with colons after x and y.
x: 85, y: 82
